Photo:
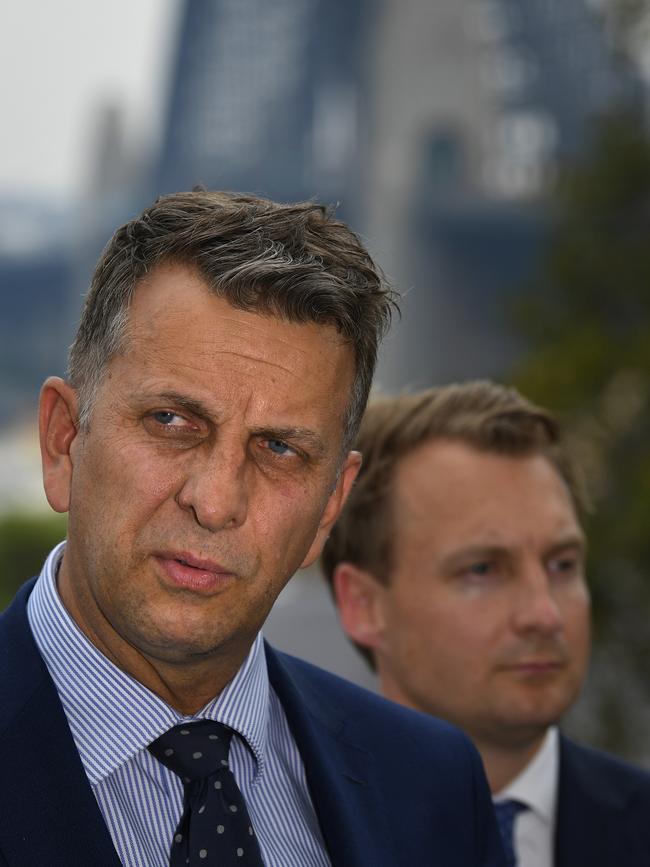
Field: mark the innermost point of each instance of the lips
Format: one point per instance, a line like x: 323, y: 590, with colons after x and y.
x: 188, y: 572
x: 536, y: 667
x: 539, y: 663
x: 195, y: 562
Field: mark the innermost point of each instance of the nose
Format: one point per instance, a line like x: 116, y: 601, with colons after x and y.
x: 215, y: 488
x: 536, y: 607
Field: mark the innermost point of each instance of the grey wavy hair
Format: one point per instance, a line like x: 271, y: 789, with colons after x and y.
x: 293, y: 261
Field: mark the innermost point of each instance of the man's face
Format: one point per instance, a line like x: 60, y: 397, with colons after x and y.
x: 208, y: 474
x: 486, y: 618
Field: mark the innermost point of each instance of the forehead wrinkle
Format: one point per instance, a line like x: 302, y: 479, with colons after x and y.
x: 242, y: 319
x: 140, y: 344
x: 256, y: 359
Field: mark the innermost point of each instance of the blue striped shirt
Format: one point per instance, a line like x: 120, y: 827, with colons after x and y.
x: 113, y: 718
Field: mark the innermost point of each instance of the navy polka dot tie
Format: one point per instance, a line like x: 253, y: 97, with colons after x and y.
x: 507, y: 812
x: 215, y: 828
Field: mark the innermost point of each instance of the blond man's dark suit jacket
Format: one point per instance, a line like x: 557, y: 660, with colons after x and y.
x: 603, y: 817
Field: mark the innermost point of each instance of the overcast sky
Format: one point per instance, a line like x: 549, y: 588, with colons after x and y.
x: 61, y: 60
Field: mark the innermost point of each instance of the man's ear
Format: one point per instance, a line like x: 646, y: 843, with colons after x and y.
x: 58, y: 427
x: 335, y: 503
x: 359, y: 598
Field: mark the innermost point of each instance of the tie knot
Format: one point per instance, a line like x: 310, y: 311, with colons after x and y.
x: 194, y: 750
x: 507, y: 811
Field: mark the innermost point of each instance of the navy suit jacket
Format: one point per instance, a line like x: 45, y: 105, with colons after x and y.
x: 603, y: 813
x: 390, y: 787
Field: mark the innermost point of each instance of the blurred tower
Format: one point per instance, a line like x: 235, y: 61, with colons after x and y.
x: 473, y: 103
x: 552, y: 67
x: 266, y: 97
x: 35, y: 272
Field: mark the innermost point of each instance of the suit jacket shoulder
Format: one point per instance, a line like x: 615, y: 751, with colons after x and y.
x: 48, y: 812
x: 603, y: 810
x: 406, y: 788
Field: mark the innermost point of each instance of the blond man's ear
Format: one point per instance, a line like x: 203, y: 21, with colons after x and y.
x: 359, y: 599
x: 335, y: 503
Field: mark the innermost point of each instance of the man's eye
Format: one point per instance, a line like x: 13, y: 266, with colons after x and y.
x: 168, y: 418
x: 480, y: 569
x: 564, y: 566
x: 279, y: 447
x: 483, y: 573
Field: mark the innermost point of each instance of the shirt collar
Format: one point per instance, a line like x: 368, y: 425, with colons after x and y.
x: 536, y: 785
x: 111, y: 715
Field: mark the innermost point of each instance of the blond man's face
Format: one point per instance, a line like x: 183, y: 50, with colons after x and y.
x: 485, y: 621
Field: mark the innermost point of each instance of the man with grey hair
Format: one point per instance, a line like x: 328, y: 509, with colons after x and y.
x: 201, y: 448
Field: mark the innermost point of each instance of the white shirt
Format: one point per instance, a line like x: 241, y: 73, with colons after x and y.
x: 536, y: 786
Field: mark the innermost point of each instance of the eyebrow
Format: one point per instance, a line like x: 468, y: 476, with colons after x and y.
x: 472, y: 552
x: 301, y: 435
x: 181, y: 400
x: 575, y: 540
x: 487, y: 551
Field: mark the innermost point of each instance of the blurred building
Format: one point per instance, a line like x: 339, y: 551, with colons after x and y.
x: 35, y: 270
x: 436, y: 126
x: 268, y: 97
x: 474, y: 103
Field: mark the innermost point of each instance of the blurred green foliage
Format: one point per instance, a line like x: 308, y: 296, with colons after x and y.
x: 587, y: 323
x: 25, y: 541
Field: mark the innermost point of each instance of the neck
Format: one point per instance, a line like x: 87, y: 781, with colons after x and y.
x: 503, y: 762
x: 185, y: 688
x: 186, y: 682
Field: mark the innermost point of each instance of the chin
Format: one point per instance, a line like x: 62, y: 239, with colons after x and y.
x: 182, y: 651
x: 173, y: 642
x: 532, y: 723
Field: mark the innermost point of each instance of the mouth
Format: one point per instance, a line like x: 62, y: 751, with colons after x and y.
x: 536, y: 667
x: 187, y: 572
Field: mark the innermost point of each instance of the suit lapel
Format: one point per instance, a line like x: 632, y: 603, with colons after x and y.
x: 342, y: 775
x: 48, y: 813
x: 591, y: 814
